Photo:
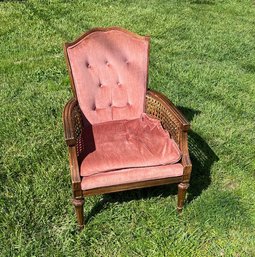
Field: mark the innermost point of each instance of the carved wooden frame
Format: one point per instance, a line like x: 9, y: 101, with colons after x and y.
x: 158, y: 106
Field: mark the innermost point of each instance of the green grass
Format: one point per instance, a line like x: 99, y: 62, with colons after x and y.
x: 203, y: 58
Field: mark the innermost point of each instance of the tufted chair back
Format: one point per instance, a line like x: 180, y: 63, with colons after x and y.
x: 108, y: 70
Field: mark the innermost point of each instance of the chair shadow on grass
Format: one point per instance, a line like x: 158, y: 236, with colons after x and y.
x: 202, y: 158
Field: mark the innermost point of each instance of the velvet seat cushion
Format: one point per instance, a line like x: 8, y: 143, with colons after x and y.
x: 126, y: 176
x: 127, y: 144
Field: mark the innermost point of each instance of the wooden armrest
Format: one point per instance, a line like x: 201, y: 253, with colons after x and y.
x: 69, y: 130
x: 74, y: 164
x: 75, y: 172
x: 160, y: 107
x: 73, y: 126
x: 72, y: 122
x: 185, y: 161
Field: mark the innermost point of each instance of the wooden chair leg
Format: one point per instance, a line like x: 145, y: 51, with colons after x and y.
x: 182, y: 189
x: 78, y: 204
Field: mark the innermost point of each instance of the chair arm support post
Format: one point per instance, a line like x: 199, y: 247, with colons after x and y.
x: 72, y: 128
x: 186, y: 162
x: 69, y: 130
x: 75, y: 173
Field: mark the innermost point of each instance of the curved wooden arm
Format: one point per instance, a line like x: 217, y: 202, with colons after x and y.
x: 186, y: 162
x: 69, y: 127
x: 72, y: 122
x: 72, y: 128
x: 75, y: 172
x: 172, y: 119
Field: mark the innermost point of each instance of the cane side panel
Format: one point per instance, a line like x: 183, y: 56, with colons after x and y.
x: 78, y: 128
x: 158, y: 110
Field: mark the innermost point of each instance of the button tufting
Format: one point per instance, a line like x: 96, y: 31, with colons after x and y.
x: 118, y: 83
x: 100, y: 85
x: 110, y: 104
x: 88, y: 65
x: 107, y: 63
x: 94, y: 107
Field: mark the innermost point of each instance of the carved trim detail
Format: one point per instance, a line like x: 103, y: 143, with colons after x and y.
x: 183, y: 186
x: 78, y: 202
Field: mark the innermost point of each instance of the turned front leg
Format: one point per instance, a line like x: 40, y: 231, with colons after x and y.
x: 182, y: 189
x: 78, y: 204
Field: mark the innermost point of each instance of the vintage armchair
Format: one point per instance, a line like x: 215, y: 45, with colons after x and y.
x: 120, y: 135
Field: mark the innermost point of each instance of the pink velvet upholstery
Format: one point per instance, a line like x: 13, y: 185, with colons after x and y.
x: 123, y: 144
x: 125, y: 176
x: 109, y: 70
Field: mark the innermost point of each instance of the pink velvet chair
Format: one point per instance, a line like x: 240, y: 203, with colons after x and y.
x: 120, y: 135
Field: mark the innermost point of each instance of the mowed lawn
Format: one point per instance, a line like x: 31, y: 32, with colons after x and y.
x: 203, y: 58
